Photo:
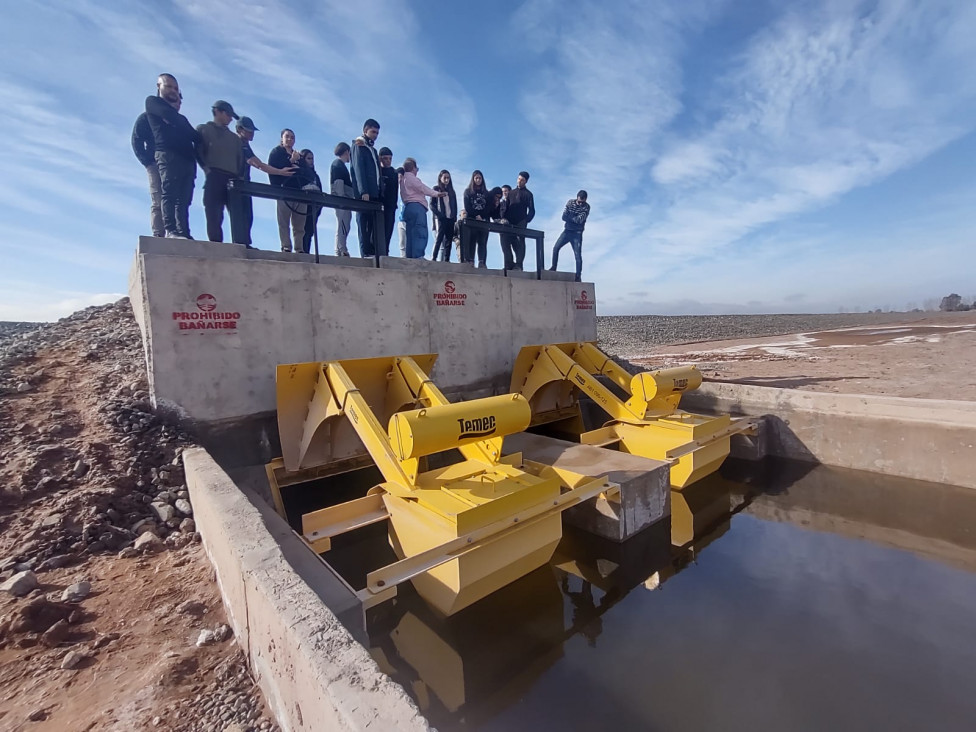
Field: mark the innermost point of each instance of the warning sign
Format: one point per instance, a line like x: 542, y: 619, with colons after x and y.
x: 450, y: 297
x: 583, y: 302
x: 206, y: 316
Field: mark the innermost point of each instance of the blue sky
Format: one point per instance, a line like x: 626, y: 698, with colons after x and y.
x: 740, y: 157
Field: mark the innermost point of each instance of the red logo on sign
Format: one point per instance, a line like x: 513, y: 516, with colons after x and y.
x: 207, y: 303
x: 450, y: 296
x: 583, y: 302
x: 206, y: 316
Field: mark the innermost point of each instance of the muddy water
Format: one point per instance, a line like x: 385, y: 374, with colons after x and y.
x: 798, y: 599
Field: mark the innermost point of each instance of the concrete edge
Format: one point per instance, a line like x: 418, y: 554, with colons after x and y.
x: 312, y: 671
x: 922, y: 439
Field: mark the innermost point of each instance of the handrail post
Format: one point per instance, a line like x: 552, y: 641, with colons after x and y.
x: 235, y: 207
x: 540, y: 255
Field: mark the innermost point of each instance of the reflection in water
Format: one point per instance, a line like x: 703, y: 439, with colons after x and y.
x: 817, y: 624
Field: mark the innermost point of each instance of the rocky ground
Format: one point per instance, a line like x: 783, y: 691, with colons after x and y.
x: 110, y: 618
x: 632, y: 335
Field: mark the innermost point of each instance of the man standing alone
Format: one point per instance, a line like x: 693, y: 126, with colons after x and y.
x: 575, y: 213
x: 175, y: 141
x: 391, y: 188
x: 366, y: 180
x: 221, y: 157
x: 520, y: 212
x: 144, y: 146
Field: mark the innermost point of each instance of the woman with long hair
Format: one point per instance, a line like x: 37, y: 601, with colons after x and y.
x: 477, y: 207
x: 445, y: 215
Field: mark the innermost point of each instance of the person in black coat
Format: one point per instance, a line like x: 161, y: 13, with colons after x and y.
x: 390, y: 193
x: 175, y: 154
x: 445, y: 214
x: 477, y: 207
x: 313, y: 182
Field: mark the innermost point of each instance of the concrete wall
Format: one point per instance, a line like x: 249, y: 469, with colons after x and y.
x: 924, y: 439
x: 293, y: 311
x: 313, y: 673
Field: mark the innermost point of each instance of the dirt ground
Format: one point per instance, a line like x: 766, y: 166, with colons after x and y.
x: 930, y: 358
x: 92, y: 495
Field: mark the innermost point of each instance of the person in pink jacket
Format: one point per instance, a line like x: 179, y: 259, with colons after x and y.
x: 414, y: 195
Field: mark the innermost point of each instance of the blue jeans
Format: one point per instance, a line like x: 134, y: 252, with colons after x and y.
x: 574, y: 239
x: 415, y: 217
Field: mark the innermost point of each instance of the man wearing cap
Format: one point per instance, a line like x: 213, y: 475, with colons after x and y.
x: 175, y: 141
x: 390, y: 187
x: 246, y: 130
x: 220, y: 156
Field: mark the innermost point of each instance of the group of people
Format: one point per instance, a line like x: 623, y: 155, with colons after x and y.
x: 170, y: 148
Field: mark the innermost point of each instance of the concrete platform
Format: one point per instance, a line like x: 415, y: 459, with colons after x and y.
x: 218, y: 319
x: 645, y: 490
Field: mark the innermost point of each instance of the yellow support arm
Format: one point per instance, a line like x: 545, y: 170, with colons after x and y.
x: 577, y: 374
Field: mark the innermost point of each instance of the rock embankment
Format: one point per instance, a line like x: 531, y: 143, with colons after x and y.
x: 97, y: 541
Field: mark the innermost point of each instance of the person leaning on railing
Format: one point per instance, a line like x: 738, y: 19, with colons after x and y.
x: 246, y: 130
x: 414, y: 194
x: 520, y: 212
x: 289, y: 212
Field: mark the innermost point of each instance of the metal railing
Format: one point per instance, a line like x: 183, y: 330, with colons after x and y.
x: 238, y: 189
x: 469, y: 226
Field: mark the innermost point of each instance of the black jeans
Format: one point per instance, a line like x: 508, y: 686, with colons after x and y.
x: 445, y: 235
x: 574, y: 239
x: 176, y: 176
x: 215, y: 201
x: 367, y: 247
x: 247, y: 220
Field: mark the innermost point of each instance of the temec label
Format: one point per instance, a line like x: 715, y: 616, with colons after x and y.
x: 206, y: 316
x: 476, y: 427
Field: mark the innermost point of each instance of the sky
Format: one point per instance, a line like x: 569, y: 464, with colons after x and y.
x: 740, y: 157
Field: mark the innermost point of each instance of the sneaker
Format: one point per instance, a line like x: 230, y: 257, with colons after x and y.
x: 286, y: 251
x: 552, y: 269
x: 172, y: 235
x: 482, y: 265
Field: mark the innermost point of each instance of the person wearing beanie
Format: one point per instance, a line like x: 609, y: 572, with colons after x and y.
x: 575, y: 213
x: 367, y: 183
x: 246, y: 130
x: 390, y: 184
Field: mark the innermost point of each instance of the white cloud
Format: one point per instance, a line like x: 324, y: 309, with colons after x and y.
x: 34, y: 305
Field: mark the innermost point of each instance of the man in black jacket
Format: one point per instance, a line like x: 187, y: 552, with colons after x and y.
x: 144, y: 146
x: 520, y: 212
x: 575, y: 213
x: 176, y: 142
x: 391, y: 189
x: 367, y: 182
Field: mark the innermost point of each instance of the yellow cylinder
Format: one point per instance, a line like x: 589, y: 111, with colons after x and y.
x: 442, y: 427
x: 665, y: 382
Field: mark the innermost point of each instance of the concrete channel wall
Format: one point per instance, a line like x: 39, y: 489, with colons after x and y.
x: 924, y: 439
x: 313, y: 673
x: 218, y: 318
